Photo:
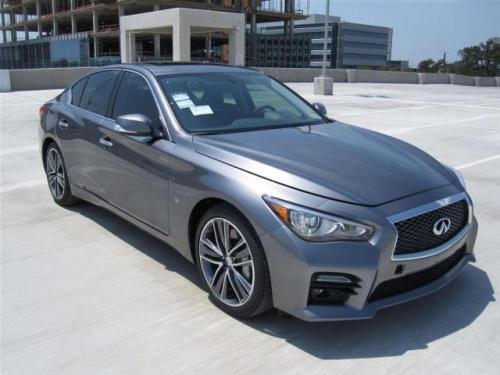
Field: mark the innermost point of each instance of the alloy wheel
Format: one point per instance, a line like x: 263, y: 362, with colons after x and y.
x: 55, y: 173
x: 226, y: 262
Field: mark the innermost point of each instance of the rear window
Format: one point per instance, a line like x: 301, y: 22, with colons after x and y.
x: 77, y: 91
x: 98, y: 90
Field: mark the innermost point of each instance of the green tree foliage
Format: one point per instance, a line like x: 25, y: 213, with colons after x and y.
x: 481, y: 60
x: 427, y: 66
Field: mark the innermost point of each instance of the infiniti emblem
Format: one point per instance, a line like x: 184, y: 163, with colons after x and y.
x: 441, y: 226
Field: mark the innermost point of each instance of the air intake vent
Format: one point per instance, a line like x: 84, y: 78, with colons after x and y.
x: 418, y: 279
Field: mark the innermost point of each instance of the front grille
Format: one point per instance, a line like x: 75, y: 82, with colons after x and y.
x: 418, y: 279
x: 416, y: 233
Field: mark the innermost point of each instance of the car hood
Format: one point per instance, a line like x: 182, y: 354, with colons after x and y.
x: 335, y: 161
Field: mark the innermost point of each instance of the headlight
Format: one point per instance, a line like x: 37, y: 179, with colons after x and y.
x: 316, y: 226
x: 459, y: 176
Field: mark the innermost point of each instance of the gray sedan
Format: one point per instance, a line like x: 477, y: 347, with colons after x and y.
x: 276, y: 204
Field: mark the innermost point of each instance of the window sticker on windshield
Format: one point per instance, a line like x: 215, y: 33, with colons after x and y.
x: 180, y: 96
x: 185, y: 104
x: 201, y: 110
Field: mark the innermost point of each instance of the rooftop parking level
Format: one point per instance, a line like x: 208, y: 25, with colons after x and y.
x: 83, y: 291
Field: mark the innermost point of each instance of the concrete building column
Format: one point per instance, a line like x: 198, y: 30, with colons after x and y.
x: 157, y: 37
x: 73, y: 17
x: 181, y: 42
x: 25, y: 18
x: 95, y: 29
x: 55, y: 31
x: 127, y: 46
x: 13, y: 29
x: 4, y: 33
x: 292, y: 21
x: 236, y: 47
x: 38, y: 15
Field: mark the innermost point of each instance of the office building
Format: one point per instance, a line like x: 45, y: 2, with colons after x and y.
x: 349, y: 45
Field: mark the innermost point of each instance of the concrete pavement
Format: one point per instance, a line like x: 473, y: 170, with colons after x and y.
x: 83, y: 291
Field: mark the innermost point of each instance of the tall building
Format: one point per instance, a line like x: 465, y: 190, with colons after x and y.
x: 349, y: 45
x: 47, y: 33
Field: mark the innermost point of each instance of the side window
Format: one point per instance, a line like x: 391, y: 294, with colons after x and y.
x: 63, y: 97
x: 77, y: 91
x: 134, y: 96
x: 98, y: 90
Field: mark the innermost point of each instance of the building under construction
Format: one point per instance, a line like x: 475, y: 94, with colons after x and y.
x: 47, y: 33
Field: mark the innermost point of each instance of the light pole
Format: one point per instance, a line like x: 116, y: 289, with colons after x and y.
x: 325, y: 40
x: 323, y: 85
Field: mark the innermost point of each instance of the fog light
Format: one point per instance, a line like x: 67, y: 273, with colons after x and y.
x: 316, y: 292
x: 331, y: 278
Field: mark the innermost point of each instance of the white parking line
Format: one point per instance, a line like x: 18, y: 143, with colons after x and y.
x: 397, y: 131
x: 369, y: 113
x: 421, y: 102
x: 21, y: 185
x: 480, y: 161
x: 17, y: 150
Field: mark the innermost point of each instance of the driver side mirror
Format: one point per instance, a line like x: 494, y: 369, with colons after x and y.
x: 136, y: 125
x: 320, y: 107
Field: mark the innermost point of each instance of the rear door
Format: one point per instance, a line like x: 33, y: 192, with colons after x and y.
x: 77, y: 127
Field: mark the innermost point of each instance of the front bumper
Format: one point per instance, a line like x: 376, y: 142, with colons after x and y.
x: 292, y: 262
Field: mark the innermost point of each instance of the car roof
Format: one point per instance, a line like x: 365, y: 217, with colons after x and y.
x: 183, y: 68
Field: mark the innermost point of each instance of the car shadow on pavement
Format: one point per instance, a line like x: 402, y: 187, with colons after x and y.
x: 140, y: 240
x: 392, y: 332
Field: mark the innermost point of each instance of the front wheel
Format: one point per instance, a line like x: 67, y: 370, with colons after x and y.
x: 232, y: 263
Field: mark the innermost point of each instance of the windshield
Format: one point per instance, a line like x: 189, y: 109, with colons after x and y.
x: 230, y: 102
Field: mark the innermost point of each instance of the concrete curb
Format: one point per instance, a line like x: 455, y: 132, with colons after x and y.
x: 433, y: 78
x: 485, y: 81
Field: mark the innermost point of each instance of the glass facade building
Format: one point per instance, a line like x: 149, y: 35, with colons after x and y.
x: 349, y: 45
x: 48, y: 52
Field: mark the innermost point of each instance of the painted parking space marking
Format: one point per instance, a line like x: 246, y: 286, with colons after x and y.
x: 477, y: 162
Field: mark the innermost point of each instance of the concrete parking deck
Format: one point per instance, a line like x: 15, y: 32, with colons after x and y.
x: 85, y: 292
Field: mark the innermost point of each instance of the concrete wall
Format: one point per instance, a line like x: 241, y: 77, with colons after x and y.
x: 41, y: 79
x: 485, y: 81
x: 303, y: 74
x: 457, y: 79
x: 4, y: 80
x: 378, y: 76
x: 56, y: 78
x: 433, y: 78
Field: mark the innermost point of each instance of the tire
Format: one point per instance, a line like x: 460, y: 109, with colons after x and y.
x: 222, y: 274
x: 57, y: 176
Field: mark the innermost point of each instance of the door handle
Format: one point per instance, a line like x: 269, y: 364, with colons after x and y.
x: 63, y: 124
x: 105, y: 142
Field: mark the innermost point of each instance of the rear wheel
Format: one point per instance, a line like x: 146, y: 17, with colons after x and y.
x: 57, y: 176
x: 232, y: 263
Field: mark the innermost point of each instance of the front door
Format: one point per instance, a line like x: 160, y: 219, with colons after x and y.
x: 134, y: 171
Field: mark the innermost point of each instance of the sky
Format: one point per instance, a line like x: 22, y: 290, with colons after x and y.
x: 422, y: 28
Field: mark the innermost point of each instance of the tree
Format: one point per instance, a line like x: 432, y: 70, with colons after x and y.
x: 480, y: 60
x: 427, y: 66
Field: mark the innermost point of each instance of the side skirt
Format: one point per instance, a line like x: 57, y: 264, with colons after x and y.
x: 180, y: 247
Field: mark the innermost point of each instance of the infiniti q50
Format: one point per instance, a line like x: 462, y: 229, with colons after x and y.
x: 275, y: 203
